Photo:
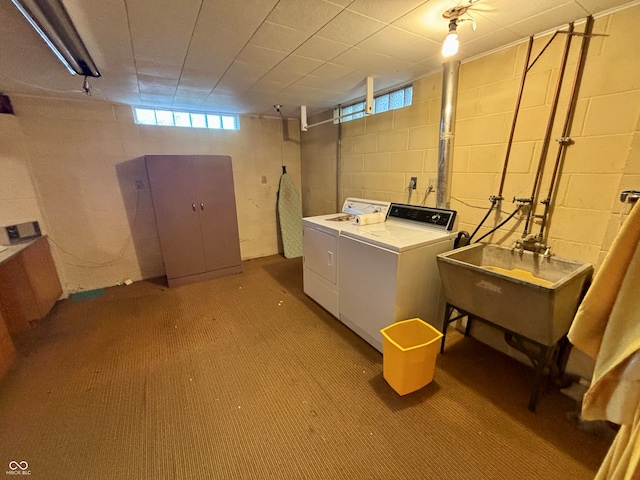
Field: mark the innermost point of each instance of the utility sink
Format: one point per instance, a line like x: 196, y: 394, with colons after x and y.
x: 526, y: 293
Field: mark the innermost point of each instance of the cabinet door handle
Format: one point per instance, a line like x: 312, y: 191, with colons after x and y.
x: 193, y: 206
x: 202, y: 206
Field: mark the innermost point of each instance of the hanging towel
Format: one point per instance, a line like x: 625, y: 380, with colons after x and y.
x: 607, y: 327
x: 290, y: 215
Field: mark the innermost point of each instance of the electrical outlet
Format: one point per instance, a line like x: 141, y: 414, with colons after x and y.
x: 414, y: 182
x: 139, y: 184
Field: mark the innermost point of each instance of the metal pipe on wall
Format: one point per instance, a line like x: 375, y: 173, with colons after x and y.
x: 547, y: 136
x: 564, y: 139
x: 523, y: 79
x: 447, y: 130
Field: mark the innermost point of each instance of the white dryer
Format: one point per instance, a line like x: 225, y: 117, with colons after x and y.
x: 388, y: 272
x: 320, y: 249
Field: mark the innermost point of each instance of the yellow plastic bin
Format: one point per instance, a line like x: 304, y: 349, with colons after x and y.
x: 409, y: 352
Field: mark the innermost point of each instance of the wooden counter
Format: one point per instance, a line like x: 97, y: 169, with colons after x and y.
x: 29, y: 284
x: 7, y: 350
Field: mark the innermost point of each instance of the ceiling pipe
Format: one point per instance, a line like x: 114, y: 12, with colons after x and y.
x: 450, y: 77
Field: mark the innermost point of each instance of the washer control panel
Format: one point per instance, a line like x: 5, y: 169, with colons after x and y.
x: 438, y: 217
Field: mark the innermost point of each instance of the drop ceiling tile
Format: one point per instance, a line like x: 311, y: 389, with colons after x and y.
x: 304, y: 92
x: 303, y: 15
x: 267, y: 86
x: 297, y: 64
x: 235, y: 82
x: 194, y: 79
x: 321, y: 48
x: 596, y: 6
x: 350, y: 27
x: 260, y: 56
x: 341, y: 3
x: 186, y: 101
x: 222, y: 31
x: 192, y: 93
x: 157, y: 80
x: 153, y: 99
x: 157, y: 69
x: 218, y: 100
x: 427, y: 20
x: 350, y: 85
x: 280, y: 75
x: 311, y: 81
x: 175, y: 19
x: 332, y: 71
x: 231, y: 86
x: 434, y: 63
x: 385, y: 10
x: 472, y: 46
x: 419, y: 70
x: 401, y: 44
x: 278, y: 37
x: 371, y: 63
x: 147, y: 89
x: 539, y: 23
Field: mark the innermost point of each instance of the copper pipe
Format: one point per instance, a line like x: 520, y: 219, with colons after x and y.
x: 547, y: 135
x: 564, y: 141
x: 515, y: 116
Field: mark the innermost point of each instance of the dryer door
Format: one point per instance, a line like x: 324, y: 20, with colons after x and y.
x: 320, y: 253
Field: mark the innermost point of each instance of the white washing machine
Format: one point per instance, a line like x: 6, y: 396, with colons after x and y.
x: 320, y: 249
x: 388, y: 272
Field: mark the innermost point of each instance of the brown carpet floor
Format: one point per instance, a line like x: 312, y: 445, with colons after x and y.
x: 245, y: 377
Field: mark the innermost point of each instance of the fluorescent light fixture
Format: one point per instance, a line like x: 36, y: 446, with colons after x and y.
x: 52, y: 22
x: 451, y: 43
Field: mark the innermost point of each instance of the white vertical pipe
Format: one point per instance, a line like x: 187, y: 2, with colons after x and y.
x: 368, y: 109
x: 447, y: 132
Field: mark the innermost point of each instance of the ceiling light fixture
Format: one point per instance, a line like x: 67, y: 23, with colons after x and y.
x: 52, y: 22
x: 451, y: 42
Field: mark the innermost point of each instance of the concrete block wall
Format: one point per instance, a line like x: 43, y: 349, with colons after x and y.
x: 319, y: 169
x: 380, y: 153
x: 73, y: 165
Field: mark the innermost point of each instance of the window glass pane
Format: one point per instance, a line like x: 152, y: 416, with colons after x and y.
x: 396, y: 99
x: 182, y: 119
x: 145, y: 116
x: 381, y: 103
x: 228, y: 123
x: 198, y: 120
x: 164, y: 117
x: 408, y: 96
x: 347, y: 110
x: 149, y: 116
x: 213, y: 121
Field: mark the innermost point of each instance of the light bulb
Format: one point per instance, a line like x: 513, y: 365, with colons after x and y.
x: 450, y: 45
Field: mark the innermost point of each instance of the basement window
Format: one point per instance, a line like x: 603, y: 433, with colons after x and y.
x: 403, y: 97
x: 170, y: 118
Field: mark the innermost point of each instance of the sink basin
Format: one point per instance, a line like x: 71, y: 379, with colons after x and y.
x: 525, y: 293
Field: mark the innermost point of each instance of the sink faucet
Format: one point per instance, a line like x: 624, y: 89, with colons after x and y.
x: 532, y: 243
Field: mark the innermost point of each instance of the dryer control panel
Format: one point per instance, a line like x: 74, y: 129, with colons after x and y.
x: 437, y: 217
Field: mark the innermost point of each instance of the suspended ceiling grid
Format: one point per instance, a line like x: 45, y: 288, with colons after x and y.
x: 244, y: 57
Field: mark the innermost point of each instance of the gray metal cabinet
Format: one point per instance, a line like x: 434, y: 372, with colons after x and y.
x: 194, y: 202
